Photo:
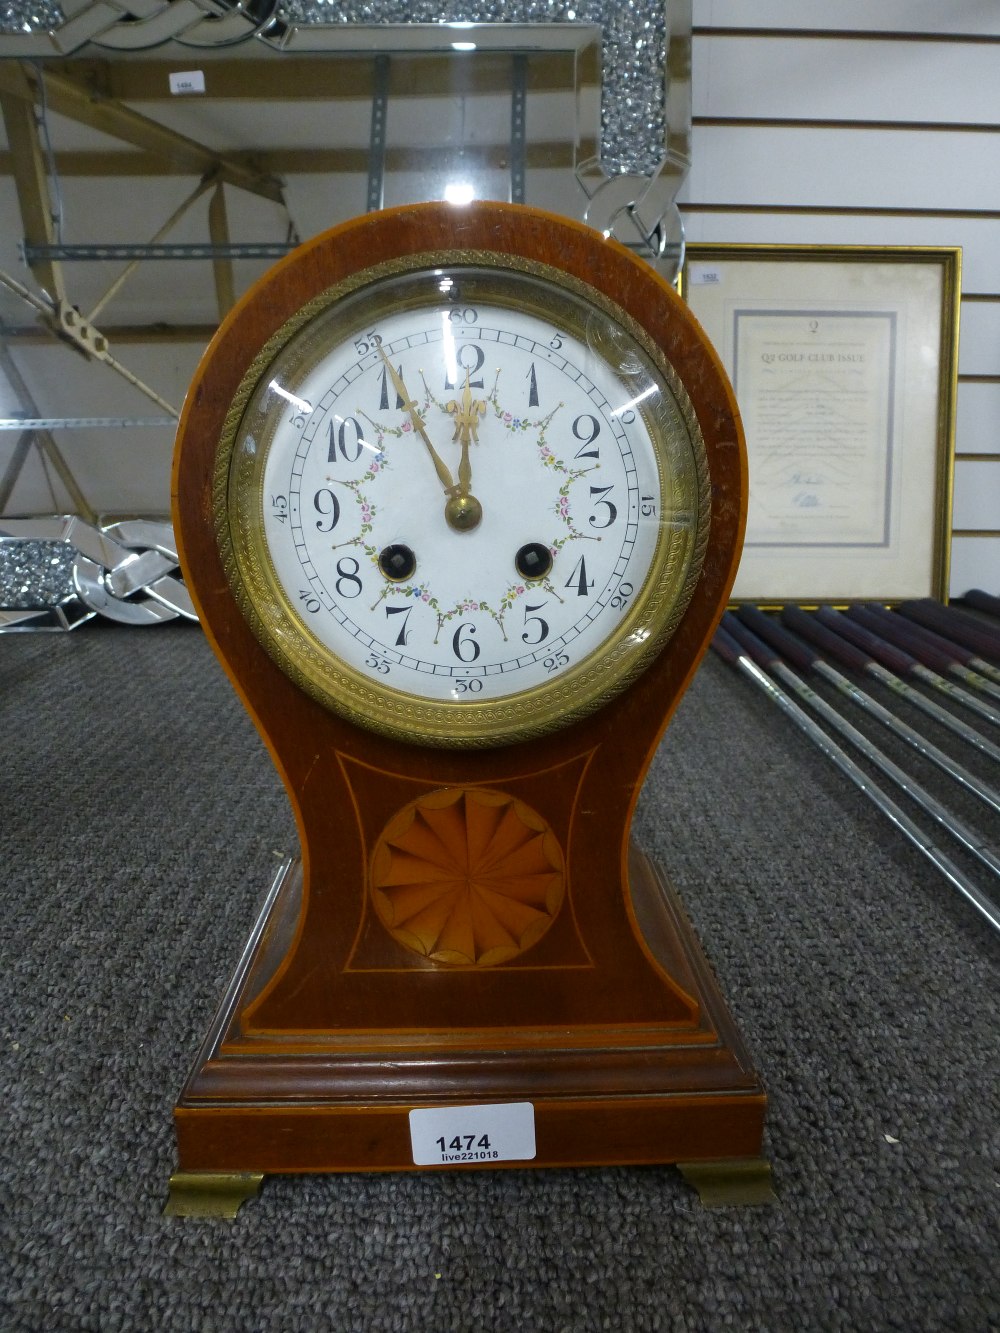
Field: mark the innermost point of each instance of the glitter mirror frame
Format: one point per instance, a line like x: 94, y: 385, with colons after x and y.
x: 629, y: 172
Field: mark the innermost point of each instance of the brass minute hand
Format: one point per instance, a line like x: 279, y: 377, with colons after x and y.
x: 410, y: 407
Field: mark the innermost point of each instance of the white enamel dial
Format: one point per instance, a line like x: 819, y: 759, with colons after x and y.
x: 472, y: 489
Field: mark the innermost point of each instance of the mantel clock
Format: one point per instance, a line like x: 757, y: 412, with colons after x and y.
x: 459, y: 494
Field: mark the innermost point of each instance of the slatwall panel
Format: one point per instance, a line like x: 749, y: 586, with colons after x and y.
x: 963, y: 18
x: 862, y: 124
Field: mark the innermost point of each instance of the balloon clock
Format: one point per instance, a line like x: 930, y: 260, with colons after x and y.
x: 459, y: 494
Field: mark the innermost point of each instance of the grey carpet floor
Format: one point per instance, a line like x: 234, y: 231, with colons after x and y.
x: 140, y: 824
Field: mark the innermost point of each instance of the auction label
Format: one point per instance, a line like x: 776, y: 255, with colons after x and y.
x: 452, y: 1135
x: 704, y: 275
x: 188, y: 81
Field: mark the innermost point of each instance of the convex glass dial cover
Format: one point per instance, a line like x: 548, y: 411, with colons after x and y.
x: 465, y: 498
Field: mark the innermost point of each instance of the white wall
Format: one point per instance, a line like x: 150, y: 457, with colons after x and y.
x: 862, y: 124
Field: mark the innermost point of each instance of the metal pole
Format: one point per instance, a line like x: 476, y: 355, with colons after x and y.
x: 518, y: 125
x: 177, y: 214
x: 731, y: 651
x: 376, y: 137
x: 964, y: 637
x: 888, y: 654
x: 806, y: 658
x: 101, y: 354
x: 894, y: 628
x: 766, y: 657
x: 984, y: 601
x: 938, y: 653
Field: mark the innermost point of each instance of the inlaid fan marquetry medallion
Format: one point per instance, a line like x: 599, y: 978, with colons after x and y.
x: 467, y: 876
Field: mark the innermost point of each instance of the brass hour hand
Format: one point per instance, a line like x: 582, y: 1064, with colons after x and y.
x: 417, y: 421
x: 466, y: 414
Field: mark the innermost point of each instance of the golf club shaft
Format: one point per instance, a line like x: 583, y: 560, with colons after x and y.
x: 767, y: 658
x: 892, y: 660
x: 983, y: 640
x: 732, y: 652
x: 892, y: 627
x: 806, y: 656
x: 941, y: 654
x: 984, y: 601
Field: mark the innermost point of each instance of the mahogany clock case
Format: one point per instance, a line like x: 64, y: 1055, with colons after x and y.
x: 608, y: 1020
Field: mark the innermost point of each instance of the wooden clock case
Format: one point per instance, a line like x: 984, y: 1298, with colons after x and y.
x: 611, y: 1024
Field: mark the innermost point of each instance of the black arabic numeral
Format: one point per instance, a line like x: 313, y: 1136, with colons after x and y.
x: 309, y: 600
x: 532, y: 387
x: 348, y: 583
x: 647, y: 506
x: 621, y: 597
x: 543, y: 625
x: 586, y: 429
x: 467, y: 353
x: 279, y: 507
x: 578, y: 579
x: 346, y: 438
x: 369, y: 342
x: 465, y: 649
x: 383, y: 398
x: 612, y: 509
x: 403, y: 611
x: 327, y: 504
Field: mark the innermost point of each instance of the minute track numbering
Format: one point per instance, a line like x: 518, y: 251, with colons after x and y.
x: 497, y: 403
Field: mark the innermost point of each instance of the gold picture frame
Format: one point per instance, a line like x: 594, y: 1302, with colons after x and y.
x: 844, y: 360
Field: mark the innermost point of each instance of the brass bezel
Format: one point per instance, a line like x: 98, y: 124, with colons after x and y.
x: 238, y: 517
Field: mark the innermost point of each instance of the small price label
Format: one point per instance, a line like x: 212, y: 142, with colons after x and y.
x: 187, y: 81
x: 704, y: 275
x: 452, y: 1135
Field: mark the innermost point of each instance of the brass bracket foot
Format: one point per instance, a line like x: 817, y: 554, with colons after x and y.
x: 211, y: 1193
x: 730, y: 1181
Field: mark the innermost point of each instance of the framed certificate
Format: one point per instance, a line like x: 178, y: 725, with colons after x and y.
x: 844, y: 362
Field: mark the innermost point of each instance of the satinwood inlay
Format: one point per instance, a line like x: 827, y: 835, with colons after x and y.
x: 467, y: 876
